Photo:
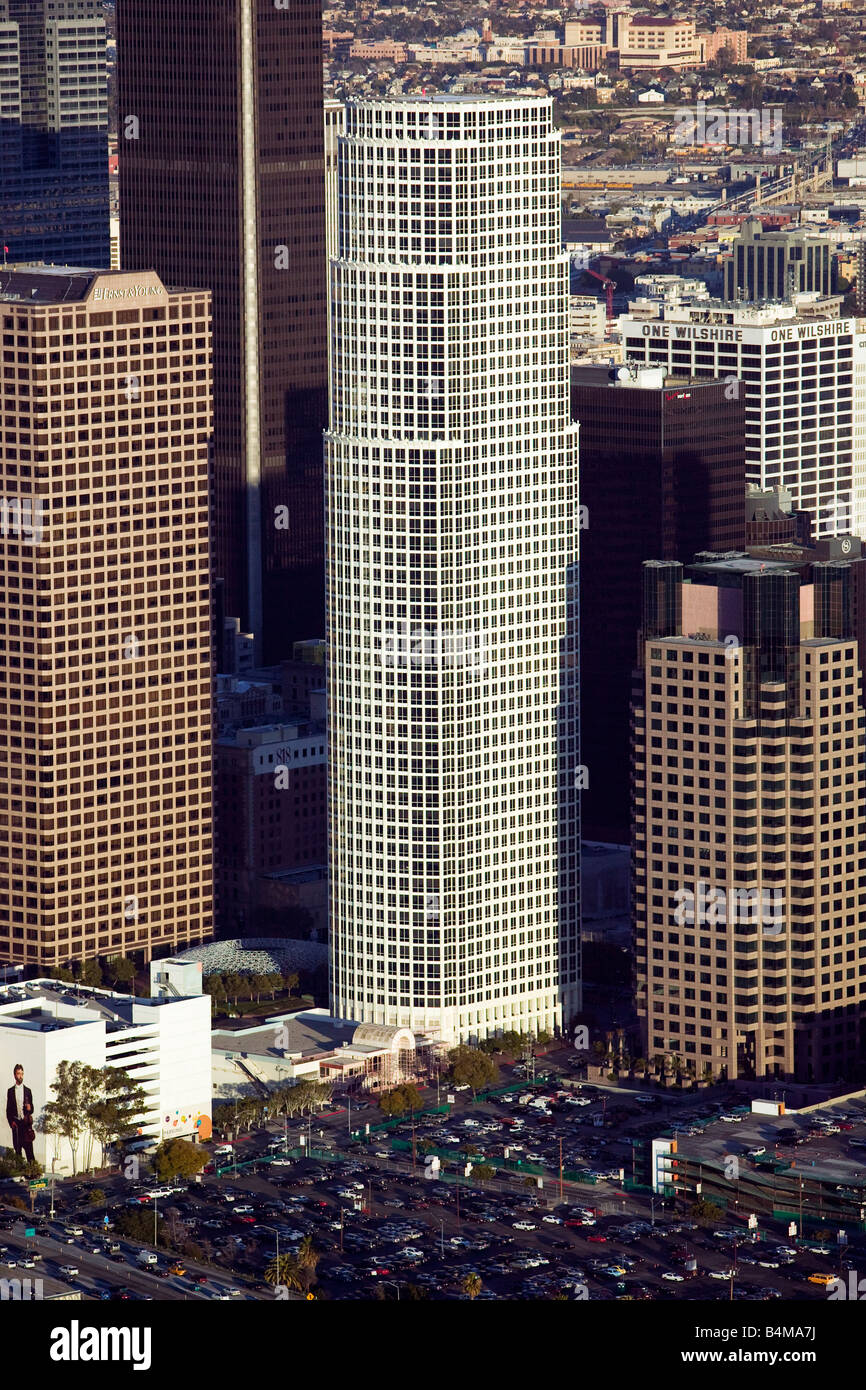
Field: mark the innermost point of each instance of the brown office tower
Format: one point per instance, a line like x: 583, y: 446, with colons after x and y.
x: 105, y: 660
x: 662, y: 472
x: 222, y: 183
x: 749, y: 891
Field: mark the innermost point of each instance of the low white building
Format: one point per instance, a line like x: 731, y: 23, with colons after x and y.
x: 164, y: 1043
x: 668, y: 290
x: 852, y: 171
x: 314, y: 1046
x: 587, y: 316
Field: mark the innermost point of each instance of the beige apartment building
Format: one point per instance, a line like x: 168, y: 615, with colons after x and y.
x: 649, y: 43
x: 105, y: 662
x: 748, y: 786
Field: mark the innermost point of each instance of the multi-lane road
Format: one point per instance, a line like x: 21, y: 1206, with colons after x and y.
x: 99, y: 1272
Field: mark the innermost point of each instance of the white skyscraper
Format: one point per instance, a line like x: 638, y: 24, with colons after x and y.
x: 803, y: 375
x: 451, y: 585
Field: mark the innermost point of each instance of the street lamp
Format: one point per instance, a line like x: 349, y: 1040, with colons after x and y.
x: 392, y: 1283
x: 277, y: 1234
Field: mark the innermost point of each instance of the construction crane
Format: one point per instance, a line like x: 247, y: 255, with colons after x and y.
x: 609, y: 287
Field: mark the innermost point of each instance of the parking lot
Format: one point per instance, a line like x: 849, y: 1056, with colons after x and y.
x: 383, y: 1229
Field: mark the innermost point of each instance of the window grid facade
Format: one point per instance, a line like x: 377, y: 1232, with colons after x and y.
x: 452, y: 546
x: 803, y: 381
x: 741, y: 793
x: 105, y: 645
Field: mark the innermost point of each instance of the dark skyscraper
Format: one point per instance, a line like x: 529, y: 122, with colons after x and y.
x: 54, y: 203
x: 662, y: 473
x: 221, y: 136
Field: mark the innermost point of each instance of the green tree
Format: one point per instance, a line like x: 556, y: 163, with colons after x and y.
x: 138, y: 1225
x: 401, y: 1100
x: 13, y: 1166
x: 483, y: 1172
x: 61, y: 972
x: 117, y: 1104
x: 308, y: 1258
x: 260, y: 983
x: 89, y: 973
x: 214, y: 986
x: 233, y: 984
x: 177, y: 1158
x: 470, y: 1284
x: 244, y: 988
x: 705, y: 1212
x: 96, y: 1197
x: 76, y: 1089
x: 469, y: 1067
x: 120, y: 970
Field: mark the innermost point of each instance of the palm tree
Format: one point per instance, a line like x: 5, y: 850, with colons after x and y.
x: 286, y: 1273
x: 308, y: 1258
x: 470, y: 1284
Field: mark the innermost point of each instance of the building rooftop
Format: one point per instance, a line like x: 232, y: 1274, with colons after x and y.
x: 453, y: 98
x: 45, y: 1005
x: 823, y: 1158
x: 311, y: 1031
x: 638, y: 376
x: 804, y: 307
x: 787, y: 555
x: 33, y: 284
x: 37, y: 283
x: 733, y: 562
